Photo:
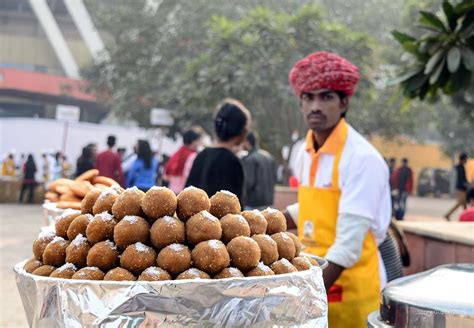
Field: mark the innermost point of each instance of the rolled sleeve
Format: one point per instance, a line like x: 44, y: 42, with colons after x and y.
x: 350, y: 234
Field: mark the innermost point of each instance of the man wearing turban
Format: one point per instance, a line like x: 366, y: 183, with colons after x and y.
x: 343, y: 208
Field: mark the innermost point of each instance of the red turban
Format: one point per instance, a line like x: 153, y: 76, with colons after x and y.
x: 324, y: 70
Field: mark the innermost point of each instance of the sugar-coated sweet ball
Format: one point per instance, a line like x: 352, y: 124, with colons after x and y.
x: 301, y: 263
x: 154, y: 274
x: 76, y: 252
x: 44, y: 238
x: 44, y: 270
x: 129, y: 202
x: 89, y: 200
x: 244, y: 253
x: 79, y: 226
x: 229, y: 273
x: 210, y: 256
x: 159, y: 202
x: 55, y: 253
x: 105, y: 201
x: 191, y: 201
x: 119, y: 274
x: 224, y: 202
x: 286, y: 246
x: 174, y: 258
x: 257, y: 222
x: 166, y: 231
x: 193, y: 273
x: 234, y: 225
x: 130, y: 230
x: 137, y: 257
x: 103, y: 255
x: 32, y: 264
x: 64, y: 220
x: 260, y: 270
x: 276, y: 221
x: 203, y: 226
x: 66, y: 271
x: 283, y: 266
x: 101, y: 228
x: 268, y: 248
x: 89, y: 273
x: 296, y: 241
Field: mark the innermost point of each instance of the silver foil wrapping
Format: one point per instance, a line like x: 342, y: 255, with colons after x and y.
x: 51, y: 213
x: 289, y: 300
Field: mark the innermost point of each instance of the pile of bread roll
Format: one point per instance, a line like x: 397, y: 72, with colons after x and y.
x: 67, y: 193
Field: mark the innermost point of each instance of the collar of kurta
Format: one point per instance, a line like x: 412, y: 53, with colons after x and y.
x: 333, y: 144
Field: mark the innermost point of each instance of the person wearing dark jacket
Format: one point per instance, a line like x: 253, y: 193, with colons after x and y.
x: 461, y: 186
x: 260, y: 175
x: 402, y: 181
x: 85, y: 162
x: 29, y: 182
x: 217, y: 167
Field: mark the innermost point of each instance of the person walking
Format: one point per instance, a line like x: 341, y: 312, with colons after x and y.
x: 461, y: 186
x: 179, y: 165
x: 109, y: 164
x: 143, y: 172
x: 217, y: 167
x: 343, y: 208
x: 29, y: 182
x: 402, y: 183
x: 260, y: 175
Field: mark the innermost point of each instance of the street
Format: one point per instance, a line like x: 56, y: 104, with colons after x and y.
x: 19, y: 226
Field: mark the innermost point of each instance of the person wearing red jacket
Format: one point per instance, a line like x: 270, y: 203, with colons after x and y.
x: 402, y: 182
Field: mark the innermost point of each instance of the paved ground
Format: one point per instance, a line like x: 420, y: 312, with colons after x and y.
x: 19, y: 226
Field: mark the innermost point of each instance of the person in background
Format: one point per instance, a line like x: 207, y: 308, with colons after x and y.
x: 128, y: 161
x: 45, y: 168
x: 461, y: 185
x: 8, y: 166
x: 260, y: 175
x: 121, y: 152
x: 343, y: 208
x: 109, y: 164
x: 402, y: 182
x: 391, y: 168
x: 21, y: 161
x: 57, y: 167
x: 29, y: 182
x: 180, y: 163
x: 468, y: 214
x: 85, y: 162
x: 217, y: 167
x: 143, y: 171
x: 66, y: 167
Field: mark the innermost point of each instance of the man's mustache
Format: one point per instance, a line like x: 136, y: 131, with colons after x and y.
x: 317, y: 114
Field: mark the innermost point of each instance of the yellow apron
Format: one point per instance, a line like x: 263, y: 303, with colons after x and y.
x: 356, y: 293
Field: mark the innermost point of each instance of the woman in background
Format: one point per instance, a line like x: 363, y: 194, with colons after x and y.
x: 85, y: 162
x: 143, y: 171
x: 217, y: 167
x: 29, y: 182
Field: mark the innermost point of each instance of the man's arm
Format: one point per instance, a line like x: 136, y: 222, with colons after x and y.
x: 331, y: 274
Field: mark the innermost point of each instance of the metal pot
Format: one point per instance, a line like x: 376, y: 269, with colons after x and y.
x: 440, y: 297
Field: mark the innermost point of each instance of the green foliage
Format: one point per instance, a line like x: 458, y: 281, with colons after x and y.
x: 189, y: 55
x: 442, y: 58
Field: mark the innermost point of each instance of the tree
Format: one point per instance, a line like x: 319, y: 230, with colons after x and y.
x: 189, y: 55
x: 442, y: 59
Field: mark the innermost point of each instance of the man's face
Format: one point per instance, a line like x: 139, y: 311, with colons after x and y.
x: 322, y: 109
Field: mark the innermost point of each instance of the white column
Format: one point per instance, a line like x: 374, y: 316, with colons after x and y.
x: 55, y: 37
x: 89, y: 33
